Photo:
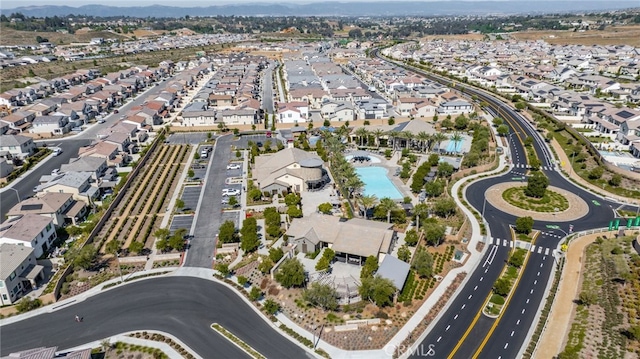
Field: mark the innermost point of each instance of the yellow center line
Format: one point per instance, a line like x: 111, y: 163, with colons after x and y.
x: 506, y: 304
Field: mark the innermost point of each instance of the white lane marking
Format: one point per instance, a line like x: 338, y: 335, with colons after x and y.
x: 456, y: 317
x: 470, y: 295
x: 518, y: 322
x: 481, y: 278
x: 438, y: 340
x: 531, y: 292
x: 537, y: 275
x: 475, y: 288
x: 540, y: 265
x: 512, y: 332
x: 535, y: 282
x: 447, y: 328
x: 522, y: 311
x: 544, y: 257
x: 486, y: 270
x: 506, y: 345
x: 527, y: 301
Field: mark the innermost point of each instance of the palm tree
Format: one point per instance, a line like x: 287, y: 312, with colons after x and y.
x: 421, y: 210
x: 388, y: 205
x: 408, y: 138
x: 354, y: 184
x: 392, y: 136
x: 377, y: 133
x: 424, y: 138
x: 438, y: 138
x: 361, y: 133
x: 456, y: 137
x: 367, y: 202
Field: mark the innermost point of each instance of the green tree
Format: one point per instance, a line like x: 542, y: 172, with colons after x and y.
x: 445, y: 170
x: 378, y: 290
x: 323, y: 264
x: 136, y: 247
x: 223, y: 268
x: 325, y: 208
x: 162, y: 233
x: 367, y: 202
x: 255, y: 194
x: 503, y: 130
x: 517, y: 258
x: 423, y: 263
x: 461, y: 123
x: 292, y: 199
x: 242, y: 280
x: 596, y: 173
x: 249, y: 241
x: 294, y: 212
x: 411, y: 237
x: 233, y: 201
x: 255, y: 294
x: 615, y: 180
x: 434, y: 234
x: 497, y: 121
x: 369, y: 268
x: 27, y: 303
x: 176, y: 241
x: 537, y: 185
x: 275, y: 254
x: 162, y: 245
x: 524, y: 225
x: 227, y: 232
x: 588, y: 298
x: 502, y: 286
x: 444, y: 207
x: 73, y: 231
x: 520, y: 105
x: 265, y: 266
x: 404, y: 254
x: 291, y: 273
x: 271, y: 306
x: 321, y: 295
x: 179, y: 204
x: 434, y: 188
x: 85, y: 257
x: 190, y: 173
x: 113, y: 247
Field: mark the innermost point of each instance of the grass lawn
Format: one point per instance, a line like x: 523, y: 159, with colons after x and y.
x: 548, y: 203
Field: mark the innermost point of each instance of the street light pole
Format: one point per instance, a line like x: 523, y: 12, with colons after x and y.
x: 17, y: 193
x: 119, y: 267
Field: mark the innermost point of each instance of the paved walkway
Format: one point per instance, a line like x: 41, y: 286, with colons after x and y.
x: 559, y: 320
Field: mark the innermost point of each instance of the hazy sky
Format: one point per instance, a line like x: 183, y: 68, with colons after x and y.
x: 10, y: 4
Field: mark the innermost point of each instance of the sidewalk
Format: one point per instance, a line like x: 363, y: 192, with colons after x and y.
x: 559, y: 320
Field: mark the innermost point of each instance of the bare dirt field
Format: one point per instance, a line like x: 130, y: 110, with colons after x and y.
x: 14, y: 37
x: 614, y: 35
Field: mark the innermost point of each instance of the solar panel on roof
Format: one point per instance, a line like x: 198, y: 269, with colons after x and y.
x: 625, y: 114
x: 31, y: 207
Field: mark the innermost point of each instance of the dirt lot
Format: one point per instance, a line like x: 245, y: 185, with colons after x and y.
x: 11, y: 36
x: 613, y: 35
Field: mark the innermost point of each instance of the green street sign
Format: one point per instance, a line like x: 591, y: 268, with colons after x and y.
x: 610, y: 225
x: 595, y: 202
x: 616, y: 224
x: 629, y: 222
x: 553, y: 226
x: 517, y: 178
x: 637, y: 221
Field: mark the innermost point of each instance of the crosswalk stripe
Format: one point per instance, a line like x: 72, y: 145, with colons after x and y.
x: 504, y: 242
x: 539, y: 250
x: 546, y: 252
x: 490, y: 240
x: 533, y: 247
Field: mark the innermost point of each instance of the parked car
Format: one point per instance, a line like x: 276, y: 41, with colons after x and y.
x: 233, y: 166
x: 55, y: 171
x: 230, y: 192
x: 57, y: 151
x: 101, y: 120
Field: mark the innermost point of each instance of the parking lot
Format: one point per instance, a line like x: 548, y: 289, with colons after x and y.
x: 188, y: 138
x: 243, y: 142
x: 190, y: 196
x: 181, y: 221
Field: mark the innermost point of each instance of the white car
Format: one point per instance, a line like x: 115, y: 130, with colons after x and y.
x: 230, y: 192
x: 233, y: 166
x: 57, y: 151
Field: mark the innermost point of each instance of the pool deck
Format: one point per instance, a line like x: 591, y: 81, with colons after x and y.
x: 391, y: 166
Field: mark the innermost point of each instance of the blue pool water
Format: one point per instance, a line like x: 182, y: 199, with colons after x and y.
x: 377, y: 183
x: 454, y: 146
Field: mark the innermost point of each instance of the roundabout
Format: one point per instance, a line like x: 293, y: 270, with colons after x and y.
x: 570, y: 206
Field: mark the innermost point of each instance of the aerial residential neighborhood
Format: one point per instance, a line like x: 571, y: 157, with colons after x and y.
x: 381, y: 181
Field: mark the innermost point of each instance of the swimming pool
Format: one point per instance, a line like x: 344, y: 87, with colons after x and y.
x: 376, y: 182
x: 454, y: 146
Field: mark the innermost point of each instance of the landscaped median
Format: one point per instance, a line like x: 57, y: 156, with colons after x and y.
x: 506, y: 284
x: 237, y: 341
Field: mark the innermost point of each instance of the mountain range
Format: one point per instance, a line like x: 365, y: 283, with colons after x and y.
x: 374, y: 8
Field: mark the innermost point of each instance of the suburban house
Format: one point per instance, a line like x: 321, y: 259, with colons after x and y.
x: 95, y: 165
x: 237, y: 117
x: 53, y: 124
x: 290, y: 169
x: 77, y: 184
x: 30, y: 230
x: 19, y: 272
x: 198, y: 114
x: 108, y: 151
x: 61, y: 207
x: 16, y: 146
x: 19, y: 120
x: 455, y: 107
x: 353, y: 240
x: 395, y: 270
x: 338, y: 111
x: 293, y: 112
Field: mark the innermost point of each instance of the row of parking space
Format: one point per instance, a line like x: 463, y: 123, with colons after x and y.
x: 181, y: 221
x: 186, y: 138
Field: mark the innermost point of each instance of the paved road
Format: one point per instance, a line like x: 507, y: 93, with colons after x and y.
x: 267, y: 89
x: 209, y: 211
x: 508, y: 338
x: 70, y: 146
x: 182, y: 306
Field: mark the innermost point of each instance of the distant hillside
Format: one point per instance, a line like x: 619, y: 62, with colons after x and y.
x: 423, y: 8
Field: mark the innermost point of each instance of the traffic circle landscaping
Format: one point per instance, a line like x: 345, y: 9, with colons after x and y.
x: 569, y: 206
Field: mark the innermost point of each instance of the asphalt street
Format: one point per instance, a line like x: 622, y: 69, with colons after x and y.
x: 182, y: 306
x: 267, y: 89
x: 209, y: 211
x: 69, y: 146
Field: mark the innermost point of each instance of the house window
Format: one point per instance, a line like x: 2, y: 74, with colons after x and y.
x: 12, y: 276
